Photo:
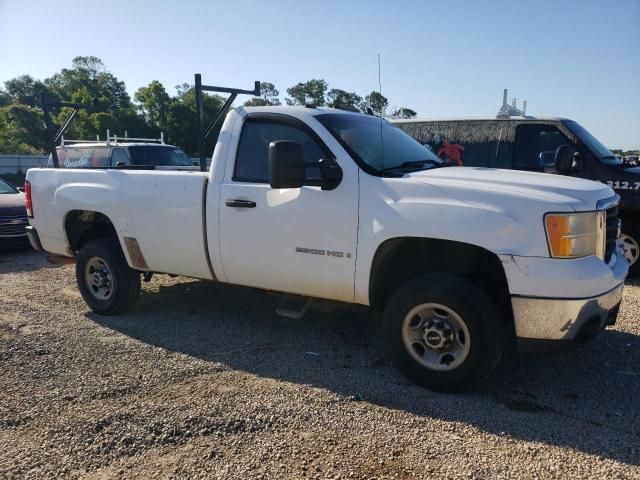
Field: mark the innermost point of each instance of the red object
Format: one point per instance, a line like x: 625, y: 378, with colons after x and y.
x: 27, y: 198
x: 452, y: 152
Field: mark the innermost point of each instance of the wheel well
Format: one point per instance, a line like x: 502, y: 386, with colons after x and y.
x: 632, y: 215
x: 82, y: 226
x: 401, y: 259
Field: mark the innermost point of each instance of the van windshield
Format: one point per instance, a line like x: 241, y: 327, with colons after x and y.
x: 378, y: 144
x: 592, y: 143
x: 160, y: 156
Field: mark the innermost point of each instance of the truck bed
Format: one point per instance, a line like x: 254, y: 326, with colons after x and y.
x: 161, y: 210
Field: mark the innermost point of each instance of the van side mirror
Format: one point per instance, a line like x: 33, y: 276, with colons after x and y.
x: 563, y: 159
x: 286, y: 165
x: 578, y: 163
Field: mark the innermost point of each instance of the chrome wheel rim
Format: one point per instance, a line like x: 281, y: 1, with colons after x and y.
x: 436, y: 336
x: 630, y: 248
x: 99, y: 278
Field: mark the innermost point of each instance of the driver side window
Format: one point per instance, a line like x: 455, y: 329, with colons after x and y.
x: 119, y: 156
x: 536, y: 146
x: 252, y: 159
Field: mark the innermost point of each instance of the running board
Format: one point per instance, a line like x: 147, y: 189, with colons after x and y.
x: 294, y: 306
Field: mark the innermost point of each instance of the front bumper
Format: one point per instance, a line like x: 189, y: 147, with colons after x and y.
x: 562, y: 305
x: 550, y: 323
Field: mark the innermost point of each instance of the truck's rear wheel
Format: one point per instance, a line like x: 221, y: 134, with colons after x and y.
x: 443, y: 332
x: 104, y: 278
x: 630, y: 241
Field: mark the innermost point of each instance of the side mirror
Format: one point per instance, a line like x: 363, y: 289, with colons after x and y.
x: 286, y: 165
x: 563, y: 159
x: 20, y: 189
x: 578, y: 164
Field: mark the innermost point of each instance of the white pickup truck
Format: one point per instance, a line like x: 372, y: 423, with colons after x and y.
x: 342, y: 206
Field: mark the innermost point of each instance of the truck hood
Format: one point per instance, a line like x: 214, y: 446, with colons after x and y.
x: 12, y: 204
x: 551, y: 189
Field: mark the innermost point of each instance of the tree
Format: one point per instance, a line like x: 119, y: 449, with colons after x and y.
x: 303, y: 93
x: 154, y: 103
x: 269, y: 93
x: 21, y: 125
x: 337, y: 98
x: 404, y: 112
x: 24, y: 90
x: 5, y: 99
x: 268, y: 96
x: 90, y: 73
x: 256, y: 102
x: 182, y: 121
x: 377, y: 102
x: 21, y: 130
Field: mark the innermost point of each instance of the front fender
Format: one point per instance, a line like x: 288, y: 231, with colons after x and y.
x: 395, y: 207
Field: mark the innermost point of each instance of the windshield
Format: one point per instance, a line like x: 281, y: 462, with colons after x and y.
x: 159, y: 156
x: 376, y: 143
x: 592, y: 143
x: 6, y: 188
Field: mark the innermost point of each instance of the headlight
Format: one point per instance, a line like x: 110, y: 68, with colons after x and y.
x: 574, y: 235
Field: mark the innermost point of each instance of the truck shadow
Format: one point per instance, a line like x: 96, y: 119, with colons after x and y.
x: 586, y: 399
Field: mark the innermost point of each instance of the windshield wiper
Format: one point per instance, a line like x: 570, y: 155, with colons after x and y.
x: 416, y: 164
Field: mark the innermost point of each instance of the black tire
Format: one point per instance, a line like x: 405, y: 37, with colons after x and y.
x: 124, y: 283
x: 472, y: 306
x: 632, y: 229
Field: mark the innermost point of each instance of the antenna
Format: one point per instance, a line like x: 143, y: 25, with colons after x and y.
x: 379, y: 76
x: 380, y: 92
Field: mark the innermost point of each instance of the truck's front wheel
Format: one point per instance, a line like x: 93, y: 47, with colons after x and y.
x: 106, y: 282
x: 630, y: 241
x: 443, y: 332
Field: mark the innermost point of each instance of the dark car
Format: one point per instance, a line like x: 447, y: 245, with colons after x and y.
x: 534, y: 143
x: 13, y: 218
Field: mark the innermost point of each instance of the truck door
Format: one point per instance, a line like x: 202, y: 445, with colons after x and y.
x: 299, y: 240
x: 536, y: 145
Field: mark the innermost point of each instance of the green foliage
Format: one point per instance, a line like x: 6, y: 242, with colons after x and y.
x: 182, y: 126
x: 102, y: 121
x: 87, y: 80
x: 268, y: 96
x: 404, y: 112
x: 377, y: 102
x: 154, y: 103
x: 337, y: 98
x: 5, y: 98
x: 21, y: 129
x: 312, y: 91
x: 256, y: 102
x: 89, y: 74
x: 24, y: 90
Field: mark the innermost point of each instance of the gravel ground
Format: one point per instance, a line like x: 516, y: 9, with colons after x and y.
x: 205, y: 381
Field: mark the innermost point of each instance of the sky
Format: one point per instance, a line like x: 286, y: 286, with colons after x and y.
x: 573, y: 58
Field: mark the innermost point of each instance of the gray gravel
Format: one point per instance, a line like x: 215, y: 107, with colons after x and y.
x: 205, y: 381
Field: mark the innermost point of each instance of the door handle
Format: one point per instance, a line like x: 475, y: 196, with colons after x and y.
x: 237, y: 203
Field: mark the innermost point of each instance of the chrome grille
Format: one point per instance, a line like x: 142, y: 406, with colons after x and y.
x: 13, y: 226
x: 611, y: 232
